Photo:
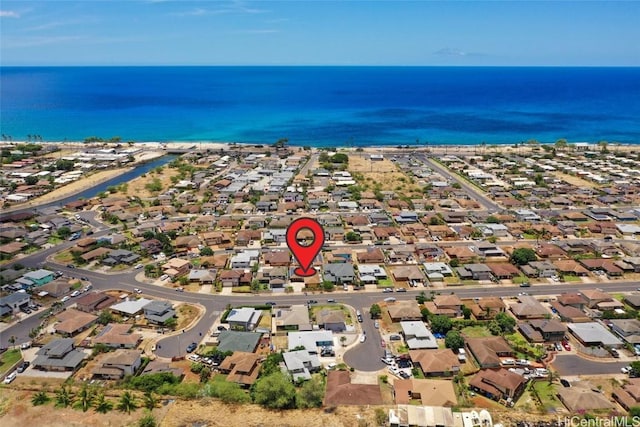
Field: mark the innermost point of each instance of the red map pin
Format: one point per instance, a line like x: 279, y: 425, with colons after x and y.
x: 305, y: 254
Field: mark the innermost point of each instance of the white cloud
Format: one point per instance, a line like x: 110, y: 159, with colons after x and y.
x: 9, y: 14
x: 447, y: 51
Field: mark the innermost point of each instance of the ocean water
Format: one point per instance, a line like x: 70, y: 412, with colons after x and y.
x: 322, y: 106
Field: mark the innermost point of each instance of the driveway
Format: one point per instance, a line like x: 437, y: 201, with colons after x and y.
x: 569, y: 365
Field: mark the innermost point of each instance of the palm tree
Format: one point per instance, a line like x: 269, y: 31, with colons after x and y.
x: 552, y: 376
x: 343, y: 339
x: 101, y: 404
x: 127, y: 402
x: 12, y: 340
x: 63, y: 397
x: 84, y: 398
x: 603, y: 146
x: 40, y: 398
x: 150, y: 400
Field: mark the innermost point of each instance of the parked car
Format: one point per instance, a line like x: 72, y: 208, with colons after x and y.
x: 75, y: 294
x: 376, y: 324
x: 137, y: 291
x: 331, y: 300
x: 387, y: 290
x: 404, y: 375
x: 363, y: 338
x: 25, y: 345
x: 558, y: 346
x: 390, y: 299
x: 567, y: 346
x: 271, y: 303
x: 625, y: 369
x: 23, y: 367
x: 65, y: 298
x: 138, y: 266
x: 9, y: 378
x: 222, y: 328
x: 191, y: 347
x: 312, y: 301
x: 180, y: 289
x: 71, y: 266
x: 401, y: 290
x: 395, y: 338
x: 164, y: 277
x: 565, y: 383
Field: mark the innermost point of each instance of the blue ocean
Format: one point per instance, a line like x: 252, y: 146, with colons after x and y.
x: 323, y: 106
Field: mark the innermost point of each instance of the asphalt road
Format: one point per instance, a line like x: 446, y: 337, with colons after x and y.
x: 366, y: 356
x: 570, y: 364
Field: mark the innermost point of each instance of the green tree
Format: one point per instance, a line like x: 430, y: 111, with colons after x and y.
x: 494, y: 328
x: 561, y: 144
x: 375, y: 311
x: 311, y: 393
x: 63, y: 397
x: 63, y: 232
x: 453, y: 340
x: 352, y: 236
x: 84, y: 398
x: 31, y: 180
x: 466, y: 312
x: 205, y: 374
x: 127, y: 402
x: 492, y: 220
x: 206, y: 251
x: 274, y: 391
x: 12, y: 340
x: 101, y: 404
x: 441, y: 324
x: 506, y: 322
x: 523, y: 256
x: 634, y: 412
x: 635, y: 369
x: 171, y: 322
x: 40, y: 398
x: 454, y: 263
x: 272, y: 364
x: 105, y: 317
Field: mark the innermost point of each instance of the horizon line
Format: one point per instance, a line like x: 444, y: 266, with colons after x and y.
x: 314, y: 66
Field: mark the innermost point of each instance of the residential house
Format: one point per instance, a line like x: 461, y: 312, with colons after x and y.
x: 486, y: 308
x: 120, y: 256
x: 203, y: 276
x: 627, y: 329
x: 583, y: 399
x: 332, y: 320
x: 311, y: 341
x: 568, y: 313
x: 277, y: 258
x: 341, y: 273
x: 39, y: 277
x: 241, y: 367
x: 543, y: 330
x: 292, y: 318
x: 475, y: 272
x: 488, y: 351
x: 628, y: 395
x: 592, y: 334
x: 58, y: 355
x: 117, y: 335
x: 158, y: 312
x: 429, y: 392
x: 301, y: 364
x: 596, y: 297
x: 404, y: 311
x: 94, y: 301
x: 12, y: 303
x: 417, y: 336
x: 340, y: 391
x: 176, y: 267
x: 449, y: 305
x: 244, y: 318
x: 529, y: 308
x: 437, y: 271
x: 118, y: 364
x: 541, y: 269
x: 411, y: 274
x: 72, y: 322
x: 237, y: 341
x: 371, y: 274
x: 498, y: 384
x: 436, y: 362
x: 371, y: 256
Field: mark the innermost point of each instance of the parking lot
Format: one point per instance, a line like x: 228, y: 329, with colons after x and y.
x: 571, y: 365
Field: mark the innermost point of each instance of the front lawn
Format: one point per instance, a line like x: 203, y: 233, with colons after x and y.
x: 8, y: 359
x: 316, y: 308
x: 520, y: 279
x: 547, y: 394
x: 385, y: 283
x: 241, y: 289
x: 570, y: 278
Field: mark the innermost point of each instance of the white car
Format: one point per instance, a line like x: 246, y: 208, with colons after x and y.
x: 137, y: 291
x: 65, y: 298
x: 75, y: 294
x: 164, y: 277
x: 9, y: 378
x: 363, y: 338
x: 625, y: 370
x: 138, y: 266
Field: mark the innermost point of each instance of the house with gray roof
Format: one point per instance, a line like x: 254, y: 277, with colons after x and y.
x: 339, y: 273
x: 120, y: 256
x: 301, y: 364
x: 158, y: 312
x: 417, y: 336
x: 12, y: 303
x: 238, y: 341
x: 117, y: 364
x: 202, y: 275
x: 244, y: 318
x: 131, y: 307
x: 331, y: 320
x: 58, y: 355
x: 292, y: 318
x: 594, y: 334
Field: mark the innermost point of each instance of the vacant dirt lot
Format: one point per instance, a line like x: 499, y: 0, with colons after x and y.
x: 381, y: 172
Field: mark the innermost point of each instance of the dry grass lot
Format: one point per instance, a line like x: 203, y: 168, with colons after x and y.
x: 574, y: 180
x: 384, y: 172
x: 138, y: 185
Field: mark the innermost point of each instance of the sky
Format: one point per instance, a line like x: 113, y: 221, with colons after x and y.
x: 320, y: 32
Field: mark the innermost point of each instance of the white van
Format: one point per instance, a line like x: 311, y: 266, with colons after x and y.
x: 508, y: 362
x: 9, y: 378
